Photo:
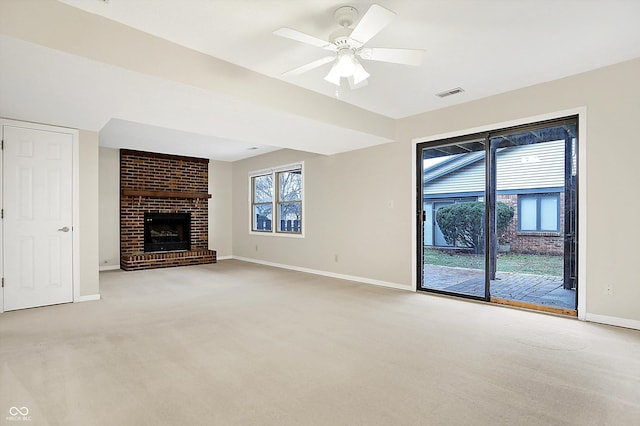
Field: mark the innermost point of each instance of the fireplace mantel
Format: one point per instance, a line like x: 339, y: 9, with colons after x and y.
x: 165, y: 194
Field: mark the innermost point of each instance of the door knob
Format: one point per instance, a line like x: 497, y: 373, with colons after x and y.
x: 64, y: 229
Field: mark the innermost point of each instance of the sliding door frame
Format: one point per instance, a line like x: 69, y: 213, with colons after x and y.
x: 421, y: 214
x: 570, y: 233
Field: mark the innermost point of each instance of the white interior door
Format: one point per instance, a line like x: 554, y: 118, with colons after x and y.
x: 38, y: 213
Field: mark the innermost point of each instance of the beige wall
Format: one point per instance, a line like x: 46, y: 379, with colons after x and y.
x: 88, y: 188
x: 109, y: 190
x: 220, y: 213
x: 352, y: 210
x: 612, y: 99
x: 358, y: 204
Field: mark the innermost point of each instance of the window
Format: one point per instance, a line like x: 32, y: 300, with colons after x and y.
x: 262, y: 205
x: 433, y: 235
x: 276, y: 200
x: 539, y: 213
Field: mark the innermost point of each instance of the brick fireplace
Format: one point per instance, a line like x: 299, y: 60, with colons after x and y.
x: 157, y: 187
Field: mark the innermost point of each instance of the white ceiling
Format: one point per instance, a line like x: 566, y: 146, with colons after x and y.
x: 485, y: 47
x: 136, y: 111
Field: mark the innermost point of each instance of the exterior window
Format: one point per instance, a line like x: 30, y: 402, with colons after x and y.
x: 276, y: 200
x: 289, y: 200
x: 539, y: 213
x: 433, y: 235
x: 262, y: 206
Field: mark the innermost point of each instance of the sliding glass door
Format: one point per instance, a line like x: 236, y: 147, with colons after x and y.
x: 497, y: 216
x: 453, y: 261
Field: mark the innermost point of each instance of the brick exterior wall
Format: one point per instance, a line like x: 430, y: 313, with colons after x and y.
x: 549, y: 243
x: 144, y: 172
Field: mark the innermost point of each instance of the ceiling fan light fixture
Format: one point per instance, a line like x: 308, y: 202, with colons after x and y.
x: 359, y: 73
x: 347, y: 44
x: 346, y: 63
x: 333, y: 76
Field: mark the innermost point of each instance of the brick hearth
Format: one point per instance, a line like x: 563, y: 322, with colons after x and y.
x: 161, y: 183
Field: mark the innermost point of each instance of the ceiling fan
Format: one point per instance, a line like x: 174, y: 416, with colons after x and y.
x: 347, y: 45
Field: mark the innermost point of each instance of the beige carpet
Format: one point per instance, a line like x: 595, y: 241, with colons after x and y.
x: 242, y: 344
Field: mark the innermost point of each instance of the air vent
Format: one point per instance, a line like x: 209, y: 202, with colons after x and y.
x: 450, y: 92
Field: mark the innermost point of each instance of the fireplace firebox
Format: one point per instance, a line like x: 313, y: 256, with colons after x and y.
x: 167, y: 231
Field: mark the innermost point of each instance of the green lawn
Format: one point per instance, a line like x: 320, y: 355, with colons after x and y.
x: 524, y: 263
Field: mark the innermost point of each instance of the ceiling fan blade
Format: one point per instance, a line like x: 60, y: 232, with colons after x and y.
x: 395, y: 56
x: 376, y: 18
x: 309, y: 66
x: 304, y: 38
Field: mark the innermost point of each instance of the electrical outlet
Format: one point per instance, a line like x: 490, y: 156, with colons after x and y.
x: 609, y: 290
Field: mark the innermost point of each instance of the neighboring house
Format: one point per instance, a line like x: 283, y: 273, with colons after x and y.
x: 530, y: 178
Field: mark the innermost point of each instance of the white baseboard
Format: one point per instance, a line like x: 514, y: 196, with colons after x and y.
x: 328, y: 274
x: 89, y: 297
x: 224, y: 257
x: 608, y: 320
x: 109, y: 268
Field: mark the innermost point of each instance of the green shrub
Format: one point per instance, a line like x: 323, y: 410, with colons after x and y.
x: 462, y: 223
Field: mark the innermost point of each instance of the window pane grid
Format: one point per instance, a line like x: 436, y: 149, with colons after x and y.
x: 290, y: 186
x: 529, y: 214
x: 262, y: 189
x: 289, y: 201
x: 280, y: 202
x: 262, y: 216
x: 539, y: 213
x: 548, y: 213
x: 262, y: 203
x: 290, y: 214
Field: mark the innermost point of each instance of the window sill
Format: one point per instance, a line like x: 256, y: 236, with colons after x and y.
x: 538, y: 234
x: 276, y: 234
